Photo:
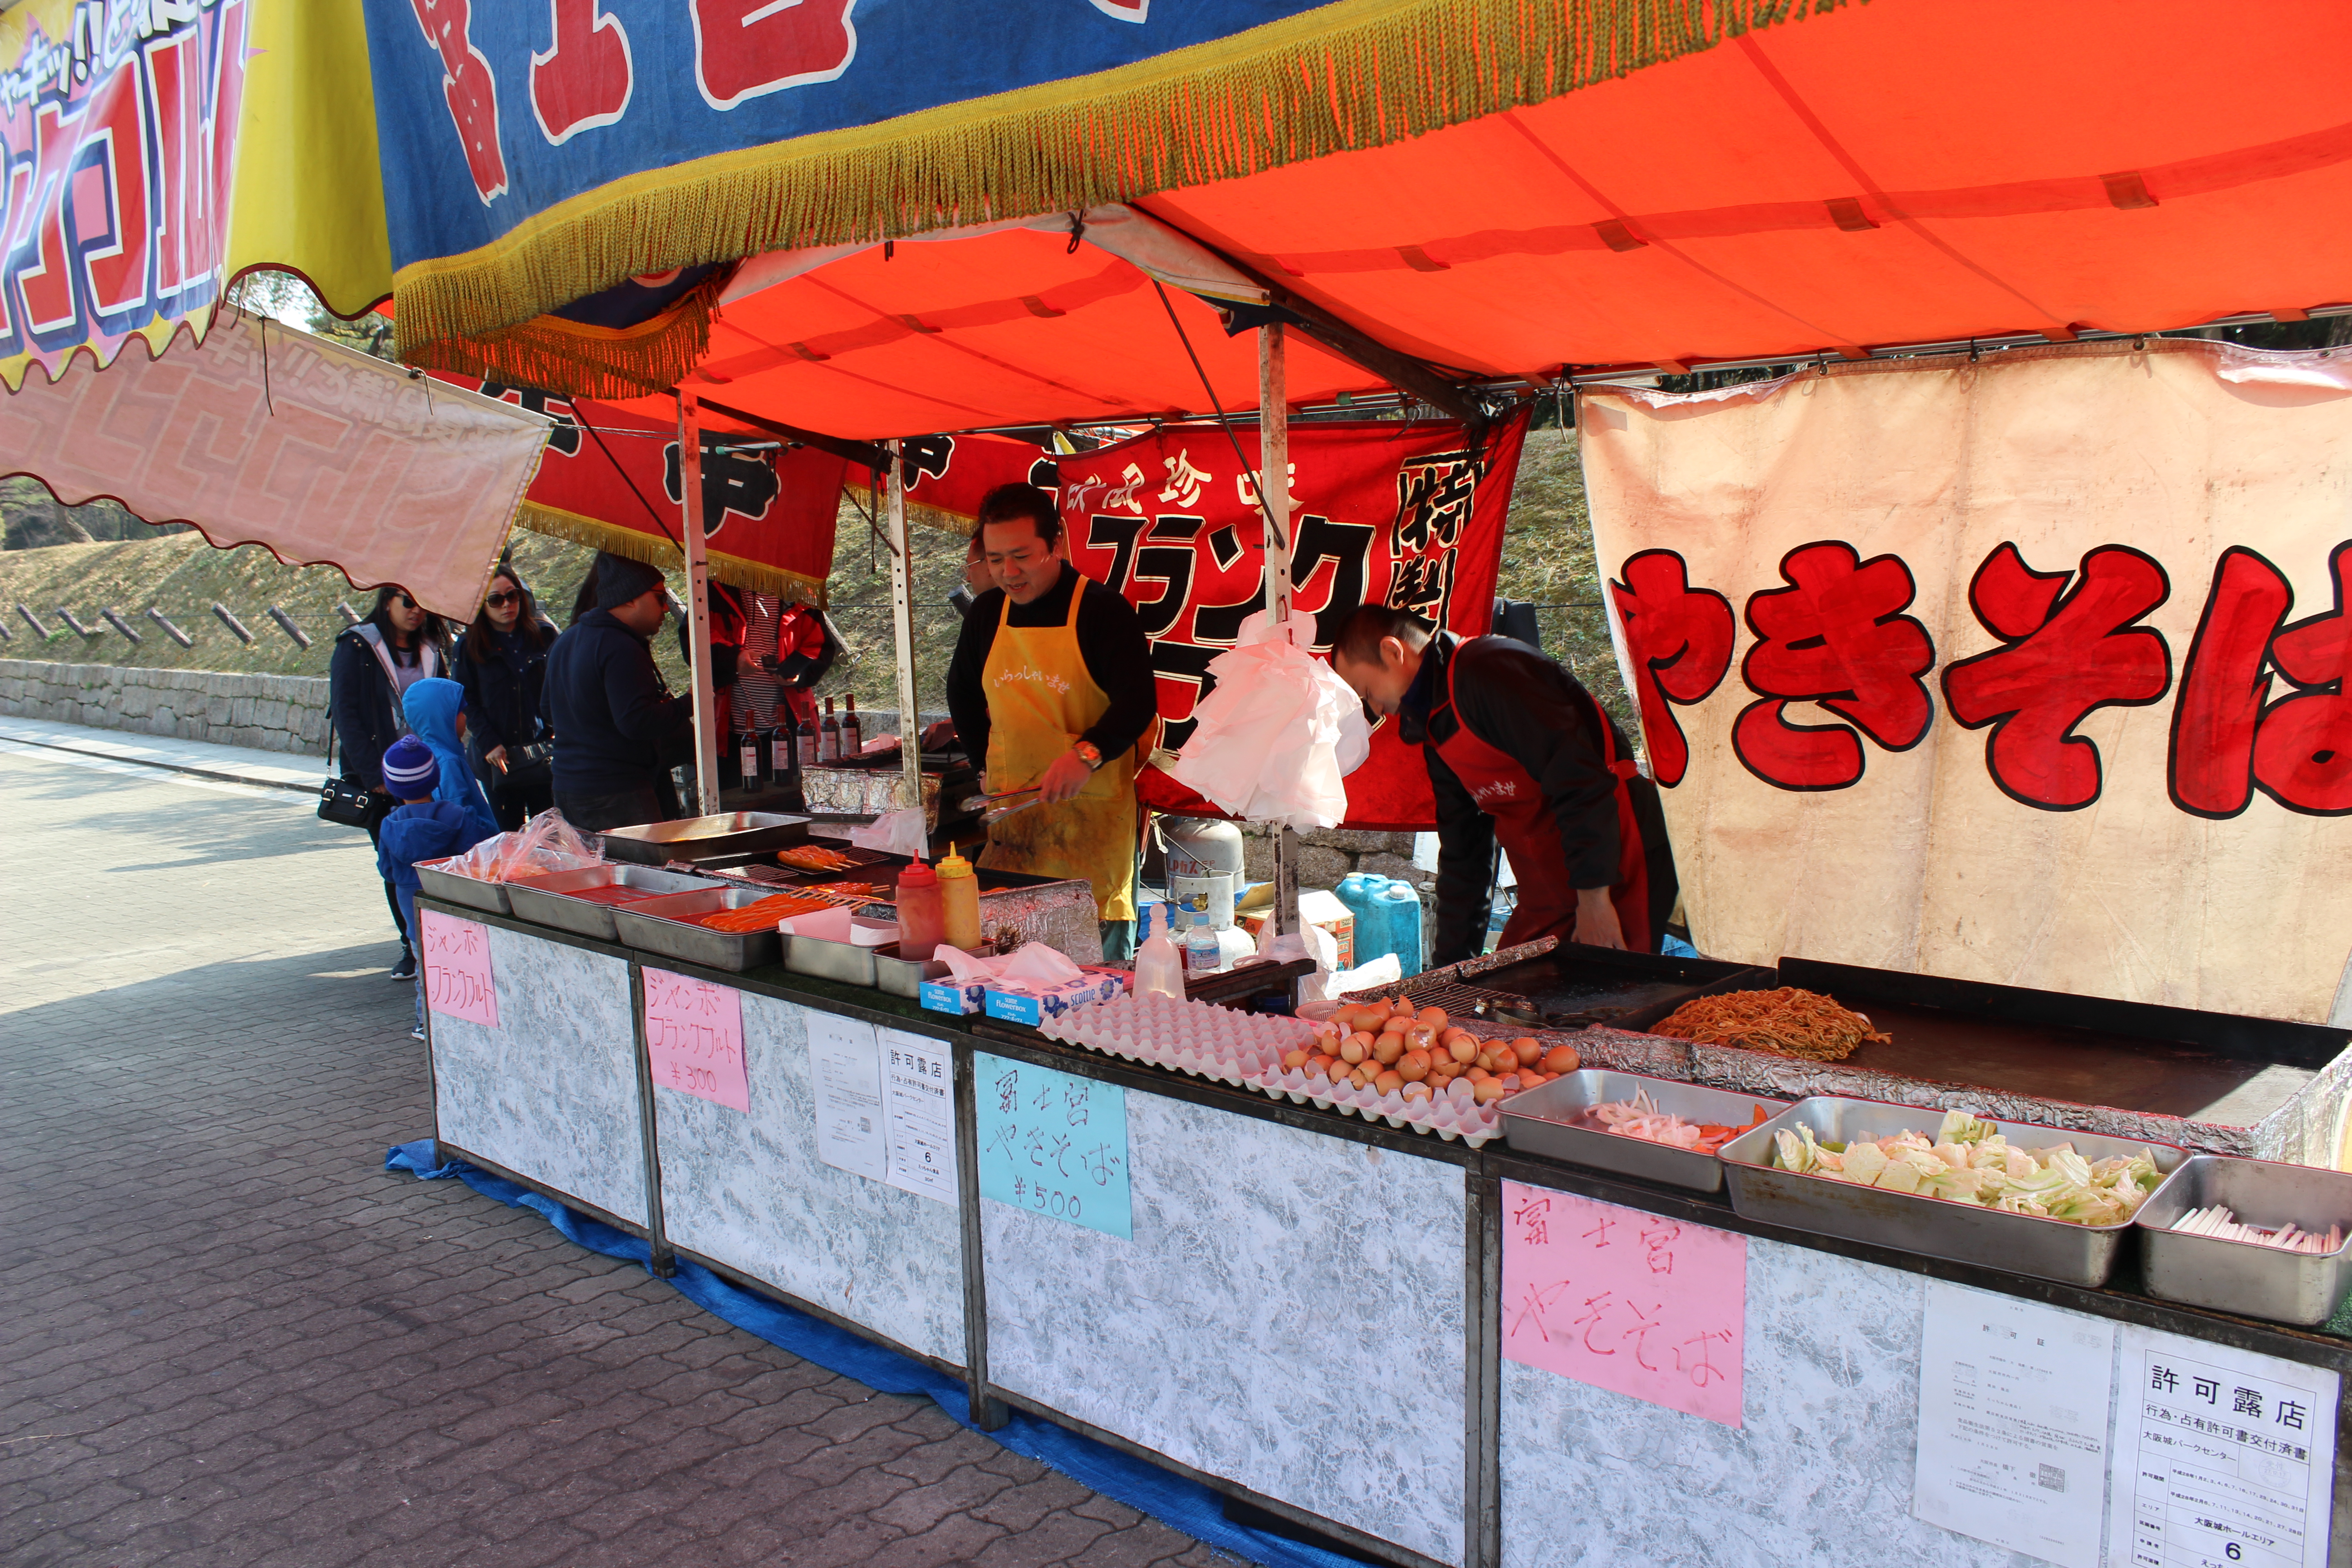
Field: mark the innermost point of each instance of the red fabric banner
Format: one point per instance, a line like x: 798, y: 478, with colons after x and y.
x: 1383, y: 510
x: 945, y: 476
x: 610, y: 479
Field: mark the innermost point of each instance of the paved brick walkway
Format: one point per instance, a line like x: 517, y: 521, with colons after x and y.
x: 227, y: 1338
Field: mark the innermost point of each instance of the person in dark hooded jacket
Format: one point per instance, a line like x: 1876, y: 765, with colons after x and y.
x: 501, y: 661
x: 421, y: 828
x: 611, y: 715
x: 374, y: 664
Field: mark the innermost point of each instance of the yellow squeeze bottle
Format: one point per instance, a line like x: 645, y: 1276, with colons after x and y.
x: 959, y: 902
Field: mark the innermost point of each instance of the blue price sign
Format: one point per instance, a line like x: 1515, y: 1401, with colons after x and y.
x: 1052, y: 1144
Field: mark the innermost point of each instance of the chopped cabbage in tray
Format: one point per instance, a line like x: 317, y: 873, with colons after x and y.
x: 1969, y: 1162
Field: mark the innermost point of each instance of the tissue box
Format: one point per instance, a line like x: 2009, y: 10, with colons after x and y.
x: 1020, y: 1004
x: 946, y: 996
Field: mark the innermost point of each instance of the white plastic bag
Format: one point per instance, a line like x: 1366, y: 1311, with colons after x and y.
x: 899, y: 832
x: 542, y: 846
x: 1280, y: 733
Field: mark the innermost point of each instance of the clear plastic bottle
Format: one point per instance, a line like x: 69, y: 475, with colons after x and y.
x: 922, y: 913
x: 1203, y: 953
x: 959, y: 902
x: 853, y: 738
x: 1159, y: 968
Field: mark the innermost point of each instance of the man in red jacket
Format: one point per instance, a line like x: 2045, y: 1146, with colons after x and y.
x: 1517, y: 750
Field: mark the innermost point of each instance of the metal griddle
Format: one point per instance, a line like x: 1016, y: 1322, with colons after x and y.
x: 2044, y: 1044
x: 1571, y: 986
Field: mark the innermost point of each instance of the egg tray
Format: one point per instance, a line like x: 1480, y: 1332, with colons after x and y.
x: 1449, y: 1116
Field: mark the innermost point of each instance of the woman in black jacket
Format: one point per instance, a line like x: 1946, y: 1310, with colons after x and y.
x: 374, y: 664
x: 502, y: 663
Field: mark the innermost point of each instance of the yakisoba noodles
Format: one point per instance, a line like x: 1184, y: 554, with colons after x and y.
x: 1787, y: 1022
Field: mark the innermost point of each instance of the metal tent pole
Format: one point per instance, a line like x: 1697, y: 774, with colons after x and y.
x: 902, y: 634
x: 1273, y: 503
x: 698, y: 603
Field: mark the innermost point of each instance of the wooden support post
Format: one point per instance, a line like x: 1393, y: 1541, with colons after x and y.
x: 698, y: 603
x: 902, y: 635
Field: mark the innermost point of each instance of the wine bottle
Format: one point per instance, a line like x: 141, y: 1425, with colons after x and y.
x: 828, y: 745
x: 853, y: 741
x: 804, y: 742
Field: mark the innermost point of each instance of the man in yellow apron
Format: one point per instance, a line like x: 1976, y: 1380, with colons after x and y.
x: 1052, y: 685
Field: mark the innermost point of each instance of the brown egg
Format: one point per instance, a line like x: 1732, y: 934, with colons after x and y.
x: 1416, y: 1090
x: 1404, y: 1009
x: 1420, y: 1037
x: 1354, y: 1050
x: 1485, y: 1059
x: 1391, y: 1047
x: 1388, y: 1083
x: 1433, y: 1016
x: 1414, y: 1066
x: 1465, y: 1051
x: 1321, y: 1066
x: 1447, y: 1037
x: 1561, y: 1059
x: 1398, y: 1023
x: 1528, y: 1051
x: 1360, y: 1077
x: 1295, y: 1059
x: 1488, y: 1091
x: 1478, y: 1075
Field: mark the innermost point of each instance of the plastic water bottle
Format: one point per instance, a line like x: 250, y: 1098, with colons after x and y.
x: 1400, y: 917
x: 1203, y: 954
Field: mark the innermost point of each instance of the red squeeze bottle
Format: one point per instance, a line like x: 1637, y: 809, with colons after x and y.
x: 921, y: 920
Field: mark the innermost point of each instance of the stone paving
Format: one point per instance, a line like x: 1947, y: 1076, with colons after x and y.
x: 227, y: 1338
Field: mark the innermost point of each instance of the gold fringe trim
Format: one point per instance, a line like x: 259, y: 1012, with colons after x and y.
x: 1350, y: 75
x: 576, y: 360
x: 732, y: 570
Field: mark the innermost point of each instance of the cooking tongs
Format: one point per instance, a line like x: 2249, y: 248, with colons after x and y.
x: 993, y: 808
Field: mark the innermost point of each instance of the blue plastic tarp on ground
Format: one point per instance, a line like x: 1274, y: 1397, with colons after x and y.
x: 1182, y: 1504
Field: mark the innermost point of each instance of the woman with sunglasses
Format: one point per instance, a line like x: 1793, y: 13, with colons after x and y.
x: 374, y: 664
x: 502, y: 663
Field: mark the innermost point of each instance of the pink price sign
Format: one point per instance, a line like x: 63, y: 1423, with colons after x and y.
x: 1632, y: 1302
x: 456, y: 961
x: 694, y: 1033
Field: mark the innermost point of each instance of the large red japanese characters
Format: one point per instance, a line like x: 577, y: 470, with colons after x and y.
x: 2029, y: 668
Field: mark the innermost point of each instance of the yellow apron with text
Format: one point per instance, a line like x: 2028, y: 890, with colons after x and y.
x: 1040, y: 701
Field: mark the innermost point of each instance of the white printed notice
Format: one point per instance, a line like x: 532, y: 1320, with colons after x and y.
x: 2013, y: 1399
x: 2232, y: 1456
x: 919, y: 1105
x: 846, y: 1068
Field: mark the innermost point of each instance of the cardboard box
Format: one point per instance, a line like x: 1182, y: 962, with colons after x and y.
x: 1021, y: 1005
x: 946, y: 996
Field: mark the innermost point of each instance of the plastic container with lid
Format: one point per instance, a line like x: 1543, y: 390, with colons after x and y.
x: 922, y: 921
x: 1159, y: 968
x: 959, y: 902
x: 1355, y: 892
x: 1400, y: 917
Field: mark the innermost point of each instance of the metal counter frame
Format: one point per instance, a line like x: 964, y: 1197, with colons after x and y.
x: 1473, y: 1535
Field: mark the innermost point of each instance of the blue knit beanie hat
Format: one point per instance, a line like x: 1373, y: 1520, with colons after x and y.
x: 409, y: 771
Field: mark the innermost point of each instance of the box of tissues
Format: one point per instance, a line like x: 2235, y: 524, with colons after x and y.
x: 1031, y: 999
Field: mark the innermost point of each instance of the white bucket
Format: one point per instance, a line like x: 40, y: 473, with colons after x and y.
x: 1202, y: 895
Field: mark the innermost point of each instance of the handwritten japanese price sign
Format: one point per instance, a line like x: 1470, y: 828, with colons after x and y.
x: 1052, y: 1144
x: 1625, y: 1300
x: 694, y: 1034
x: 456, y: 959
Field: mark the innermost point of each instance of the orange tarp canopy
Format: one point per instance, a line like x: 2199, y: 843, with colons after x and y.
x: 1906, y: 171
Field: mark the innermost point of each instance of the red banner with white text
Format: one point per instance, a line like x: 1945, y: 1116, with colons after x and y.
x: 1382, y: 511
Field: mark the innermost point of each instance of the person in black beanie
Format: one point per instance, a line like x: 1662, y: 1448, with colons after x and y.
x: 610, y: 711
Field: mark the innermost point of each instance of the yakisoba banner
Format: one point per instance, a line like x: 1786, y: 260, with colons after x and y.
x: 2030, y: 670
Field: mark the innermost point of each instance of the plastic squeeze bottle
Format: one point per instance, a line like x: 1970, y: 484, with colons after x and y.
x: 921, y: 920
x: 959, y: 902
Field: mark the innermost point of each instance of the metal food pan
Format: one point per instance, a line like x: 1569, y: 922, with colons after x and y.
x: 1540, y: 1121
x: 843, y: 961
x: 452, y: 888
x: 666, y: 925
x: 904, y: 976
x: 1933, y: 1228
x: 2241, y: 1277
x: 548, y: 901
x: 704, y: 838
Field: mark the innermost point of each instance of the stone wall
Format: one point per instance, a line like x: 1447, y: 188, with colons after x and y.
x: 264, y: 712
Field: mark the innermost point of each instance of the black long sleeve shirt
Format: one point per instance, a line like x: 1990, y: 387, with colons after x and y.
x: 1110, y: 639
x: 1528, y: 707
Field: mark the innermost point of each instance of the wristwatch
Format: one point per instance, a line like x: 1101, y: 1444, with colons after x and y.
x: 1089, y: 754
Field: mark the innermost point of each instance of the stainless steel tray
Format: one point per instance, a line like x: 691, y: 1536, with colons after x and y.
x: 704, y: 838
x: 666, y: 925
x: 1933, y: 1228
x: 2241, y: 1277
x: 1539, y: 1122
x: 548, y: 901
x: 452, y: 888
x: 842, y: 960
x: 904, y: 976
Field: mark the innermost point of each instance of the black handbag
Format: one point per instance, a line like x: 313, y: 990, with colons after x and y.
x: 343, y: 800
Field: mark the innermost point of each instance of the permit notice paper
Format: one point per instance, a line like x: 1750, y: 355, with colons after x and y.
x: 2013, y: 1403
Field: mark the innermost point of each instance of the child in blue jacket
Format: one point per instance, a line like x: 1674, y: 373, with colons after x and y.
x: 422, y: 829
